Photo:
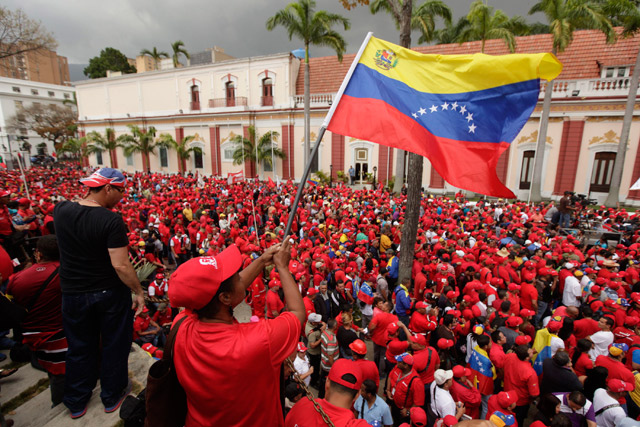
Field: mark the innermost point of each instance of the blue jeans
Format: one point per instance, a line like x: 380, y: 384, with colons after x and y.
x: 565, y: 220
x: 99, y: 329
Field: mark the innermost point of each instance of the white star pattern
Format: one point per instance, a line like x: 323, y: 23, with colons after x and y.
x: 462, y: 109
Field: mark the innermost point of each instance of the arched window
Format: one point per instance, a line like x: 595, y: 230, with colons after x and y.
x: 267, y: 92
x: 195, y: 98
x: 230, y: 89
x: 99, y: 157
x: 602, y: 171
x: 526, y: 171
x: 164, y: 158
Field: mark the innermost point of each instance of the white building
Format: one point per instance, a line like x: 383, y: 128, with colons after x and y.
x: 18, y: 94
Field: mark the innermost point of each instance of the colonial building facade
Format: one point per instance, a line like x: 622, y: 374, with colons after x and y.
x: 215, y: 102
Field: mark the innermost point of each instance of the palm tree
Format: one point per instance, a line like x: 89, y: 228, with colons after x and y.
x: 178, y: 49
x: 183, y: 148
x: 263, y: 152
x: 98, y: 143
x: 564, y: 16
x: 76, y: 147
x: 449, y: 34
x: 313, y: 27
x: 624, y: 13
x: 157, y: 56
x: 140, y: 141
x: 485, y: 24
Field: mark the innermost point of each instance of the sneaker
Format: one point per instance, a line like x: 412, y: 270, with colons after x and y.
x: 125, y: 393
x: 75, y: 415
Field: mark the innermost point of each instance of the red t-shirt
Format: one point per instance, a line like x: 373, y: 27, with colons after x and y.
x: 304, y: 414
x: 585, y: 327
x: 528, y: 294
x: 141, y: 324
x: 493, y: 406
x: 400, y: 387
x: 583, y: 363
x: 216, y: 363
x: 369, y: 370
x: 394, y: 348
x: 46, y: 313
x: 162, y: 318
x: 273, y: 304
x: 520, y: 377
x: 425, y: 367
x: 381, y: 321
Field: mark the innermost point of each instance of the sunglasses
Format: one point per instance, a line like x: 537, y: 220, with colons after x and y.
x: 122, y: 190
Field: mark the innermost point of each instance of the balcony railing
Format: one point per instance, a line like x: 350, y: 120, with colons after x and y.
x: 316, y: 100
x: 266, y: 101
x: 589, y: 88
x: 195, y: 105
x: 238, y: 101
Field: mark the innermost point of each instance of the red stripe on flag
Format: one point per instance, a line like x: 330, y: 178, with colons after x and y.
x: 464, y: 164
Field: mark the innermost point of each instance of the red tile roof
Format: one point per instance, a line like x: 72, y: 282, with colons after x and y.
x: 580, y: 60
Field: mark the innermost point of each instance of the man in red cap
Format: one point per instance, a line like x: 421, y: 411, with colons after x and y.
x: 209, y: 288
x: 378, y: 330
x: 504, y: 402
x: 605, y: 402
x: 368, y: 368
x: 341, y: 390
x: 96, y: 301
x: 463, y: 390
x: 520, y: 377
x: 404, y: 388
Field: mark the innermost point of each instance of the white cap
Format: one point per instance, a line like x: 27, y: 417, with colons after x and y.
x: 441, y: 376
x: 569, y: 265
x: 315, y: 318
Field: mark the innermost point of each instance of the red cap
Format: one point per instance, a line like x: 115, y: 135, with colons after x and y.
x: 159, y: 276
x: 419, y: 417
x: 513, y: 321
x: 523, y: 339
x: 358, y: 346
x: 631, y: 321
x: 419, y: 339
x: 5, y: 193
x: 342, y: 367
x: 24, y: 201
x: 525, y: 312
x: 312, y: 291
x: 196, y: 281
x: 507, y: 398
x: 554, y: 326
x: 421, y: 304
x: 301, y: 347
x: 461, y: 371
x: 619, y: 386
x: 514, y: 287
x: 392, y: 328
x: 449, y: 421
x: 444, y: 343
x: 595, y: 289
x: 406, y: 358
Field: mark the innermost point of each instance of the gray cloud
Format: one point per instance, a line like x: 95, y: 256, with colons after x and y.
x: 84, y: 27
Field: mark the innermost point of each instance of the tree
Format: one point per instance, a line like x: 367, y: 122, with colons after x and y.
x: 53, y: 122
x: 140, y: 141
x: 110, y: 59
x: 178, y: 49
x: 263, y: 152
x: 485, y: 24
x: 424, y: 19
x: 98, y: 143
x: 19, y: 34
x: 313, y: 28
x: 76, y: 147
x: 624, y: 13
x: 564, y: 16
x: 157, y: 56
x: 182, y: 148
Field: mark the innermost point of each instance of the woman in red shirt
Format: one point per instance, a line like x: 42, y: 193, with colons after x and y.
x: 581, y: 360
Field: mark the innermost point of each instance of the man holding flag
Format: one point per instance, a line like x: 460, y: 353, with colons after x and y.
x: 546, y: 344
x: 483, y: 371
x: 520, y: 377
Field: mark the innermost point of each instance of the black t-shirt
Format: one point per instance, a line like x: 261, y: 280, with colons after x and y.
x: 85, y: 234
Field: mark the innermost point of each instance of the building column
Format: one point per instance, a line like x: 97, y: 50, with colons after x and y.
x: 572, y: 131
x: 337, y: 154
x: 182, y: 165
x: 385, y: 164
x: 214, y: 144
x: 288, y: 164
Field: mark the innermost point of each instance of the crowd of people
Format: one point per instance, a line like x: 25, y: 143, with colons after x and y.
x: 505, y: 319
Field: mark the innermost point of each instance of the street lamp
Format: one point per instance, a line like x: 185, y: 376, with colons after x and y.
x: 375, y: 169
x: 330, y: 176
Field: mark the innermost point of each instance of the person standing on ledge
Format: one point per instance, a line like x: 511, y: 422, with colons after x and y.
x: 97, y: 279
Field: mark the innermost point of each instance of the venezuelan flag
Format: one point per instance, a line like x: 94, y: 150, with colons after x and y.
x: 483, y: 370
x: 542, y: 345
x: 459, y: 111
x: 312, y: 182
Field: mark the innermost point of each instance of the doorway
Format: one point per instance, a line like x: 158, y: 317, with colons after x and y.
x: 361, y: 165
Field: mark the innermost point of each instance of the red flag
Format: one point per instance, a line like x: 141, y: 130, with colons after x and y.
x: 271, y: 183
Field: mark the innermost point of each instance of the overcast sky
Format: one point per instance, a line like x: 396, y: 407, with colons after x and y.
x: 84, y: 27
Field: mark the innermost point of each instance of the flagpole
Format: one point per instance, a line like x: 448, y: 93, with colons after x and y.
x: 323, y: 128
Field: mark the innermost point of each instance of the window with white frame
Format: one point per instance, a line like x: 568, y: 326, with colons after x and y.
x: 227, y: 151
x: 164, y: 158
x: 99, y: 157
x: 129, y: 160
x: 613, y: 72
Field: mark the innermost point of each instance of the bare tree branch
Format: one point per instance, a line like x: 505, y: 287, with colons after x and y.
x: 20, y: 34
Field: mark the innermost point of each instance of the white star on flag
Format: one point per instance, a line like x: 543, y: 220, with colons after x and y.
x: 463, y: 109
x: 469, y: 117
x: 422, y: 111
x: 433, y: 108
x: 472, y: 128
x: 454, y: 106
x: 445, y: 106
x: 415, y: 116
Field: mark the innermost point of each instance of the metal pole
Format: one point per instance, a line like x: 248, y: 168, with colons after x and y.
x: 255, y: 222
x: 303, y: 181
